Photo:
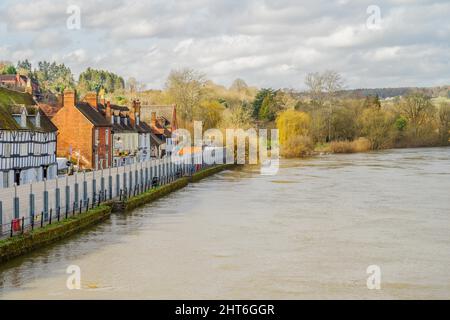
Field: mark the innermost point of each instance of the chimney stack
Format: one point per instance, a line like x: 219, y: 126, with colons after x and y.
x: 153, y: 119
x: 138, y: 107
x: 133, y: 112
x: 91, y: 98
x: 108, y: 113
x: 69, y: 98
x: 174, y: 124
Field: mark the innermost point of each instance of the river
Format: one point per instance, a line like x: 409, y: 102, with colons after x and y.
x: 311, y: 231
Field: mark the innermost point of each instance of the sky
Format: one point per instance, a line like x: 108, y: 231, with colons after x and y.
x: 273, y: 43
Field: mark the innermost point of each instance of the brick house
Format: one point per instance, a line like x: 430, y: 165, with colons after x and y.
x: 84, y: 132
x: 162, y: 128
x: 131, y: 137
x: 20, y: 82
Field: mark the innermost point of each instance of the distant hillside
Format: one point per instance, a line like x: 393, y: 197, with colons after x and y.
x: 384, y: 93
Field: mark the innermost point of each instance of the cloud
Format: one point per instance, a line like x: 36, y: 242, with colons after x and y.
x: 269, y: 43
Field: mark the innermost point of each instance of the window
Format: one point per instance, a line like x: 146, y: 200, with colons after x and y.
x: 7, y: 150
x: 107, y: 160
x: 23, y: 149
x: 96, y: 137
x: 107, y: 136
x: 38, y: 119
x: 5, y: 179
x: 96, y: 161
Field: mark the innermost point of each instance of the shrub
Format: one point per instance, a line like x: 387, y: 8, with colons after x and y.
x: 297, y: 146
x: 359, y: 145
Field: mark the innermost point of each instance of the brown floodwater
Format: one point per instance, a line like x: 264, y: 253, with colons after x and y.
x: 310, y: 231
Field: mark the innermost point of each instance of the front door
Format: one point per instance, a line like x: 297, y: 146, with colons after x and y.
x: 44, y: 173
x: 17, y: 177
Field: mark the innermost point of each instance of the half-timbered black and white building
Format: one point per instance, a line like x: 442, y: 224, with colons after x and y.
x: 27, y: 145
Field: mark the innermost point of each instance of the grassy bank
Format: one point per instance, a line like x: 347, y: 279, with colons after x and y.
x: 18, y: 245
x: 210, y: 171
x: 154, y: 194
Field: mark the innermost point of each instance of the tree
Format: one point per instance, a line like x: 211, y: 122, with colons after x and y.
x: 294, y: 136
x: 377, y: 125
x: 7, y: 68
x: 343, y: 124
x: 322, y: 88
x: 315, y: 84
x: 418, y: 109
x: 444, y: 122
x: 372, y: 102
x: 238, y: 117
x: 52, y: 76
x: 292, y: 123
x: 185, y: 89
x: 268, y: 108
x: 94, y: 80
x: 258, y: 102
x: 24, y: 67
x: 238, y: 85
x: 210, y: 113
x: 132, y: 85
x: 401, y: 123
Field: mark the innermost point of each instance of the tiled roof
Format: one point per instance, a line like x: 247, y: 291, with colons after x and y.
x: 12, y: 103
x: 95, y: 117
x: 48, y: 109
x: 7, y: 77
x: 154, y: 140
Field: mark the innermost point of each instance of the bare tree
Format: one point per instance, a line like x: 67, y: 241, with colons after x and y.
x: 323, y: 88
x: 185, y: 88
x: 332, y: 82
x: 238, y: 85
x: 314, y: 82
x: 444, y: 122
x: 132, y: 85
x: 418, y: 108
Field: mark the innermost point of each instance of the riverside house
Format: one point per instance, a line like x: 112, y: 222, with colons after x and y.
x: 27, y: 141
x: 20, y: 83
x: 131, y: 137
x: 84, y: 133
x: 163, y: 122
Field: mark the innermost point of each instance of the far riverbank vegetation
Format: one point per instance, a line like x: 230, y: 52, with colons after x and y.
x: 324, y: 118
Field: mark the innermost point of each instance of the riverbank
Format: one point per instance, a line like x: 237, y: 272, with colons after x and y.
x: 349, y: 147
x: 19, y: 245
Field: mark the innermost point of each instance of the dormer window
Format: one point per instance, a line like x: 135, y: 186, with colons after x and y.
x: 38, y: 119
x: 23, y: 118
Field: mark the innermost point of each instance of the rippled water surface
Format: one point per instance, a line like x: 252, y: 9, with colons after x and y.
x: 309, y: 232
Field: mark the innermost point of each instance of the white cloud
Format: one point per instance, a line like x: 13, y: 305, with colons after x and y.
x: 271, y: 43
